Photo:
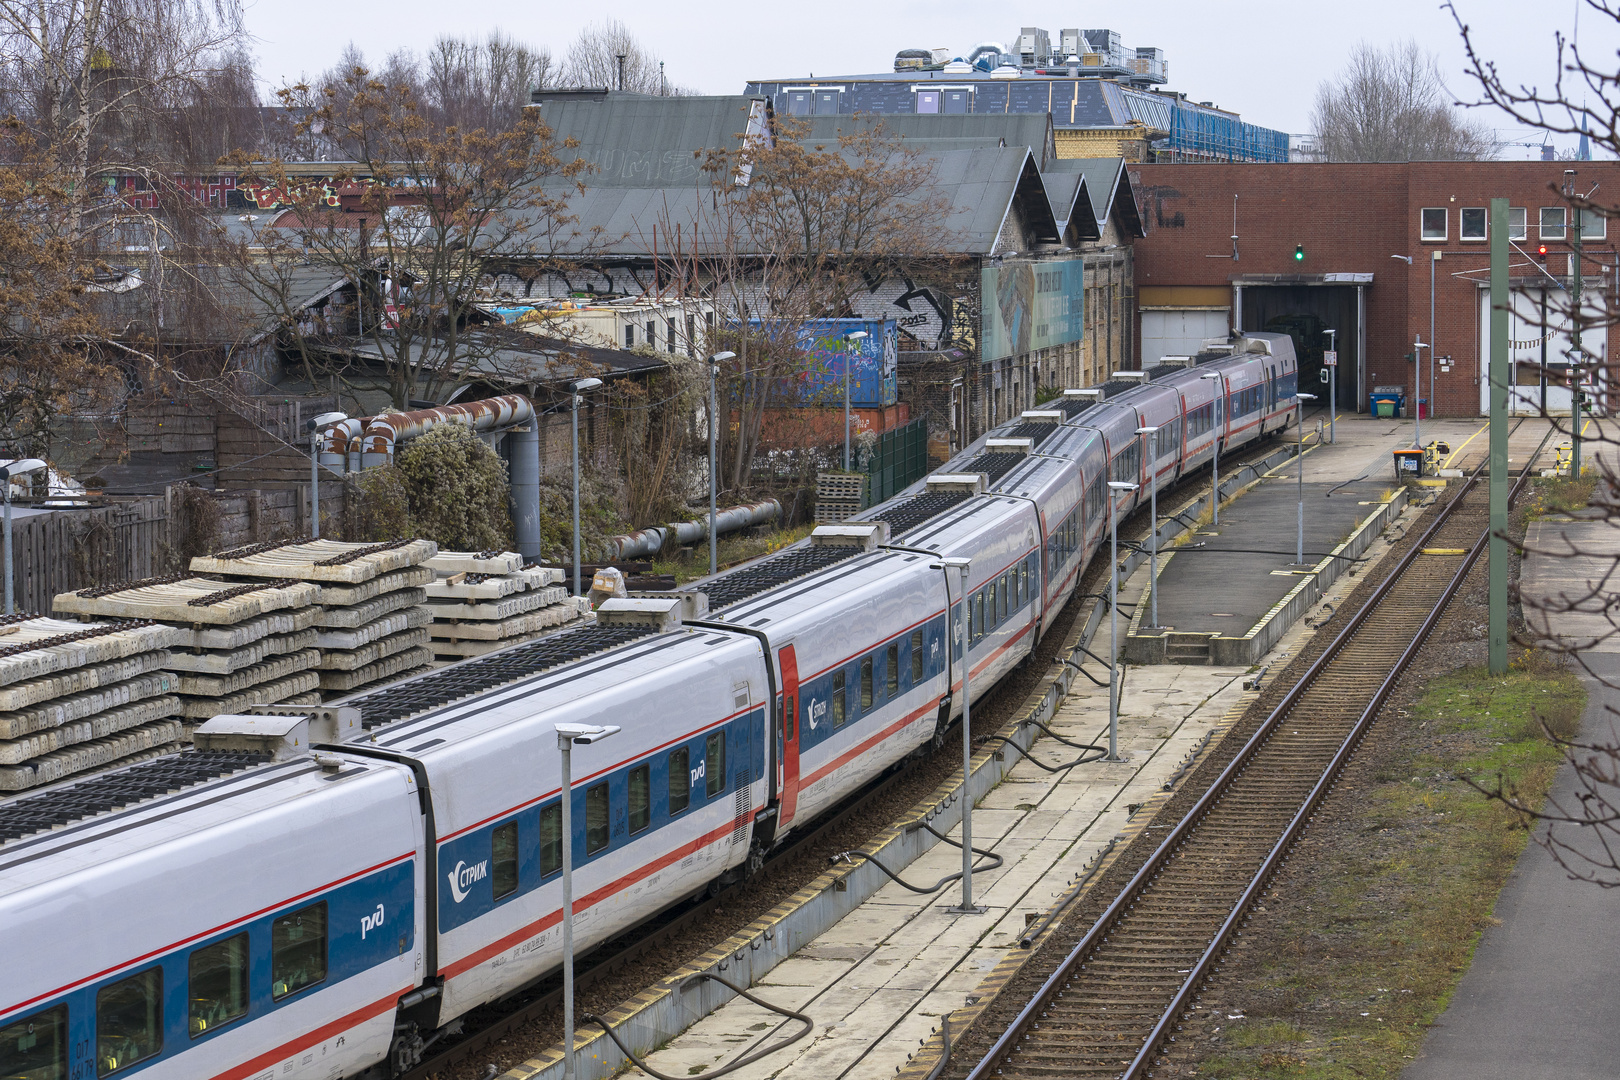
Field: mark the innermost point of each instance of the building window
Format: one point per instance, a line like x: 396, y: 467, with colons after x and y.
x: 928, y: 101
x: 956, y: 102
x: 813, y: 100
x: 1434, y: 222
x: 799, y: 103
x: 1516, y: 225
x: 1471, y: 223
x: 1554, y: 220
x: 827, y: 102
x: 1594, y: 226
x: 629, y: 335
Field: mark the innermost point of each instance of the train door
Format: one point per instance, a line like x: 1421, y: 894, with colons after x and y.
x: 790, y: 735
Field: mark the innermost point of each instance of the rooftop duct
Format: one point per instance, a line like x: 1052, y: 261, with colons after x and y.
x: 866, y: 535
x: 972, y: 483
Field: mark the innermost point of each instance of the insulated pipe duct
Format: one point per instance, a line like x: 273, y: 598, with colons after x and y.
x: 335, y: 439
x: 651, y: 541
x: 526, y: 489
x: 383, y: 432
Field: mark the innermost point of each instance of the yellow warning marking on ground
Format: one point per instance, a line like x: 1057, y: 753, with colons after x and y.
x: 1471, y: 438
x: 1445, y: 551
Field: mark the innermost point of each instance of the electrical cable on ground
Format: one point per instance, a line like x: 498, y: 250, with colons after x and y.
x: 746, y: 1059
x: 850, y: 856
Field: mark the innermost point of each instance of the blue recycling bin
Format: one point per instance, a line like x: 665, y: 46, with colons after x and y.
x: 1386, y: 404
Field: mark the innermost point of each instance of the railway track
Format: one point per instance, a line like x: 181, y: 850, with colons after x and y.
x: 1112, y: 1007
x: 485, y: 1027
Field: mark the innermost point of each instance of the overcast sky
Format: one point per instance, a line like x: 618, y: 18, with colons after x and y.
x: 1262, y: 58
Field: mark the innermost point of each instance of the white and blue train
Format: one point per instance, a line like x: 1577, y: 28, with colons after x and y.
x: 290, y: 910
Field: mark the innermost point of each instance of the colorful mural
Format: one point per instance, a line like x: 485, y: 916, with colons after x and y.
x: 1032, y: 305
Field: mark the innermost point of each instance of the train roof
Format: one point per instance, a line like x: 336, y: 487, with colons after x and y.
x: 837, y: 582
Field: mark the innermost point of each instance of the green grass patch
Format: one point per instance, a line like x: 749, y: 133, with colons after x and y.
x: 1360, y: 950
x: 1554, y: 495
x: 731, y: 550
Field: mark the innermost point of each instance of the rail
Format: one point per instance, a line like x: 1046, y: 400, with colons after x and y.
x: 1156, y: 934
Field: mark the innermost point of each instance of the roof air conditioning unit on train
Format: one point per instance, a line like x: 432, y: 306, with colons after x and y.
x: 866, y: 535
x: 1041, y: 416
x: 1091, y: 393
x: 694, y: 604
x: 1257, y: 345
x: 1009, y: 446
x: 327, y: 723
x: 1174, y: 361
x: 974, y: 483
x: 660, y: 613
x: 283, y: 736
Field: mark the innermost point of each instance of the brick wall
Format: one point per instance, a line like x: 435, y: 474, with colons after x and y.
x: 1351, y: 218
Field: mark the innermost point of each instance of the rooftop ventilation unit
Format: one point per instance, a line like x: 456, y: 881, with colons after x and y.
x: 866, y: 535
x: 694, y: 604
x: 659, y: 613
x: 1090, y: 394
x: 285, y: 733
x: 1009, y: 446
x: 1174, y: 361
x: 972, y: 483
x: 1041, y: 416
x: 1007, y: 71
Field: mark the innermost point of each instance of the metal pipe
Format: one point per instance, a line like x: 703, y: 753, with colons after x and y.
x: 526, y: 489
x: 650, y: 541
x: 382, y: 433
x: 639, y: 544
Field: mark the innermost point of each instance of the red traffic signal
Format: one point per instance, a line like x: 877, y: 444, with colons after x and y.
x: 1542, y: 250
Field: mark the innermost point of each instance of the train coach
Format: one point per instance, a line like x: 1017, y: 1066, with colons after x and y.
x: 324, y: 893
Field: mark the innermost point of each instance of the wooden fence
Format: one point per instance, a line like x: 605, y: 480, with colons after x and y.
x: 146, y: 536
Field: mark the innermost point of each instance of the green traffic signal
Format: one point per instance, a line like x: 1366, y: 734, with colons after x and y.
x: 1299, y: 252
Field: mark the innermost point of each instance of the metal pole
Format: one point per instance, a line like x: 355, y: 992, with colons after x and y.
x: 574, y: 410
x: 314, y: 488
x: 6, y: 480
x: 1153, y: 564
x: 714, y: 422
x: 1333, y: 386
x: 566, y: 745
x: 846, y: 406
x: 1575, y: 342
x: 1417, y: 383
x: 1299, y: 454
x: 1113, y: 625
x: 967, y: 756
x: 1433, y: 258
x: 1498, y: 552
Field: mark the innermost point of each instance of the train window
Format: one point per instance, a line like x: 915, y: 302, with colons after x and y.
x: 1023, y: 583
x: 298, y: 950
x: 640, y: 798
x: 866, y: 684
x: 596, y: 818
x: 129, y: 1021
x: 790, y: 715
x: 36, y: 1046
x: 978, y: 615
x: 551, y: 830
x: 217, y: 983
x: 503, y: 859
x: 680, y: 780
x: 1006, y: 601
x: 838, y: 691
x: 891, y: 671
x: 990, y: 602
x: 916, y: 657
x: 714, y: 764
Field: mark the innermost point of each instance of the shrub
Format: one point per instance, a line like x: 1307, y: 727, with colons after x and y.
x: 456, y: 490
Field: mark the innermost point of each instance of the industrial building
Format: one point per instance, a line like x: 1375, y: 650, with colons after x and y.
x: 1105, y: 100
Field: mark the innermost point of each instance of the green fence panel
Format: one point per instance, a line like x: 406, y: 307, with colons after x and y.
x: 899, y: 460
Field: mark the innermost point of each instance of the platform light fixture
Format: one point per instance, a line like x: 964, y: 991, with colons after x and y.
x: 1116, y: 489
x: 961, y: 566
x: 567, y: 736
x: 7, y: 472
x: 575, y: 389
x: 714, y: 426
x: 314, y: 425
x: 1215, y: 469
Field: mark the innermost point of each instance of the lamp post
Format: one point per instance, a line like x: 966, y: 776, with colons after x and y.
x: 961, y: 565
x: 567, y: 736
x: 849, y: 356
x: 1434, y: 257
x: 1116, y: 488
x: 1299, y: 454
x: 1575, y: 333
x: 1333, y: 383
x: 1417, y: 380
x: 313, y: 425
x: 575, y: 390
x: 1215, y: 469
x: 714, y: 426
x: 1151, y: 444
x: 15, y: 468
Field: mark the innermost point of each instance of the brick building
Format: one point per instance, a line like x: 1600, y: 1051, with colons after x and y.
x: 1307, y: 248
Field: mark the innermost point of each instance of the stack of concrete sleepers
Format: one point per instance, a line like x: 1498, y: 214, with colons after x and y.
x: 372, y: 626
x: 486, y: 600
x: 75, y: 698
x: 235, y: 644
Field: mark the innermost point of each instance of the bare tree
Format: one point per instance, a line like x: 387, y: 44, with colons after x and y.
x: 483, y: 84
x: 1391, y: 105
x: 429, y: 212
x: 605, y: 50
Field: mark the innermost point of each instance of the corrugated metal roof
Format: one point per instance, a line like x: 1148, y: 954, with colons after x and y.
x: 948, y: 131
x: 632, y: 140
x: 1108, y: 184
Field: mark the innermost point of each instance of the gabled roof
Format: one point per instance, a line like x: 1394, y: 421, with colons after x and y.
x: 635, y: 140
x: 1109, y: 187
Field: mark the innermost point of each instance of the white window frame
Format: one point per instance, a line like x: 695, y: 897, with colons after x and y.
x: 1546, y: 232
x: 1485, y: 233
x: 1587, y: 219
x: 1424, y: 235
x: 1522, y: 230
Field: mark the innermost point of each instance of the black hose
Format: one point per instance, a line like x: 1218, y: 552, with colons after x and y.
x: 746, y: 1059
x: 1081, y: 760
x: 849, y: 856
x: 1069, y: 661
